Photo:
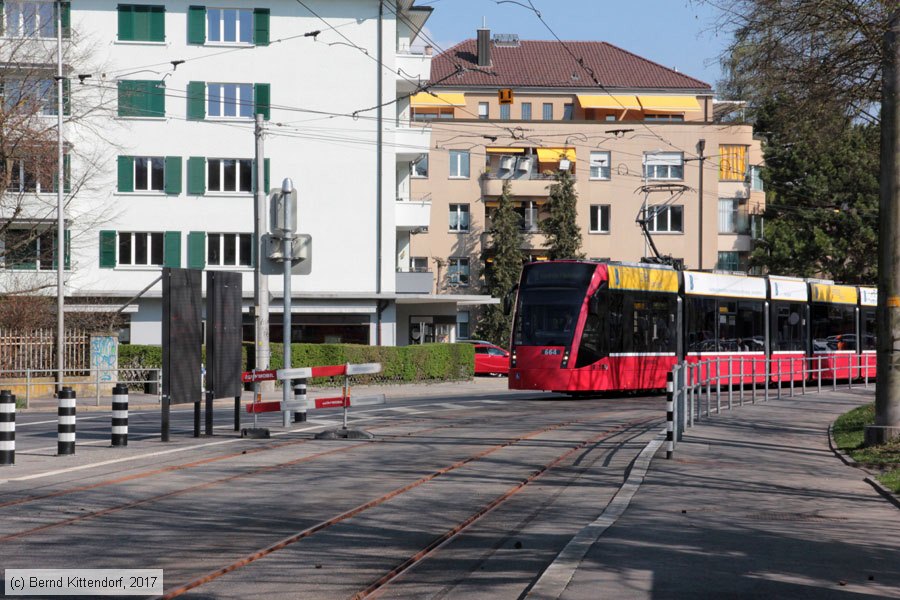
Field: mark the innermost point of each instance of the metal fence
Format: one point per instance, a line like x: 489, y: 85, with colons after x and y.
x: 31, y: 384
x: 36, y: 349
x: 702, y: 389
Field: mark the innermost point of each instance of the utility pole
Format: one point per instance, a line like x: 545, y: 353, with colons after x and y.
x: 701, y: 146
x: 260, y: 281
x: 60, y: 209
x: 887, y: 394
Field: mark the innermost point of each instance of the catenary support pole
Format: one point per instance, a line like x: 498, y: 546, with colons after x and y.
x: 260, y: 282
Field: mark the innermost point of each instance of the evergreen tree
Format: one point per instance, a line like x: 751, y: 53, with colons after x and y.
x: 506, y: 251
x: 561, y: 228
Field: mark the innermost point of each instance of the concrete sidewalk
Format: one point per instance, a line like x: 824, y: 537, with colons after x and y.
x: 754, y: 504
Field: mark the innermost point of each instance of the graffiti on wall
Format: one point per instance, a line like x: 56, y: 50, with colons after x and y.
x: 105, y: 356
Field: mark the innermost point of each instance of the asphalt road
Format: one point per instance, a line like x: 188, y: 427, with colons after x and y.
x: 466, y: 491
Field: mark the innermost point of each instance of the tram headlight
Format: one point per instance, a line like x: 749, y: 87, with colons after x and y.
x: 565, y: 360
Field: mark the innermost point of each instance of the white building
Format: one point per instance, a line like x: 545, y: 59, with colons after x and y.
x: 163, y: 100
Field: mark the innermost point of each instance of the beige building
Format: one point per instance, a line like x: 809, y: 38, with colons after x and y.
x: 630, y: 131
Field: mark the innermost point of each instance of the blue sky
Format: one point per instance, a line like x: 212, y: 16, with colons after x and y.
x: 675, y: 33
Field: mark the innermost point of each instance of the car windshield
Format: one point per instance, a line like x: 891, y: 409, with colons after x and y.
x: 550, y: 301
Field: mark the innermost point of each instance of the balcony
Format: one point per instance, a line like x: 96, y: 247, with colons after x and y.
x: 415, y: 67
x: 409, y: 282
x: 538, y: 185
x: 412, y: 215
x: 410, y: 142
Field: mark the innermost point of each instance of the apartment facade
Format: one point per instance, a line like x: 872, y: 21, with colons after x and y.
x: 628, y: 130
x: 160, y: 137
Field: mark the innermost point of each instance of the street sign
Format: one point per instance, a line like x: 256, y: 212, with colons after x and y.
x: 505, y: 96
x: 301, y: 253
x: 277, y: 199
x: 260, y: 375
x: 363, y: 369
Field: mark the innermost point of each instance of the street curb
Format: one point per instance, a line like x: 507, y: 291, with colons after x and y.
x: 870, y: 477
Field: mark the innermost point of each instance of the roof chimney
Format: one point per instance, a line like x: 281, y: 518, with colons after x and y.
x: 484, y: 47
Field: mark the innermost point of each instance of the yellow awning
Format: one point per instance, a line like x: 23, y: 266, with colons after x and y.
x: 669, y: 103
x: 426, y: 99
x: 609, y: 101
x: 555, y: 154
x: 505, y: 150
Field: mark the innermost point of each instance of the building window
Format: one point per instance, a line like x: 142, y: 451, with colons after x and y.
x: 600, y: 165
x: 756, y: 182
x: 31, y: 249
x: 568, y: 112
x: 142, y: 99
x: 458, y: 271
x: 420, y: 167
x: 229, y: 25
x: 142, y: 23
x: 729, y: 261
x: 526, y: 111
x: 459, y: 163
x: 665, y: 219
x: 37, y: 174
x: 504, y: 112
x: 528, y: 216
x: 459, y: 218
x: 483, y: 110
x: 548, y: 111
x: 599, y: 218
x: 462, y: 325
x: 418, y: 264
x: 141, y: 248
x: 30, y: 19
x: 229, y: 175
x: 664, y: 118
x: 732, y: 162
x: 230, y: 100
x: 664, y: 165
x: 149, y: 173
x: 733, y: 216
x: 229, y: 249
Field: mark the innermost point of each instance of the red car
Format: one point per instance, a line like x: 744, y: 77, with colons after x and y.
x: 490, y: 359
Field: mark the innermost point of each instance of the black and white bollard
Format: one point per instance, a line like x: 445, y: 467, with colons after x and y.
x: 120, y: 415
x: 7, y: 428
x: 65, y: 427
x: 300, y: 396
x: 670, y: 415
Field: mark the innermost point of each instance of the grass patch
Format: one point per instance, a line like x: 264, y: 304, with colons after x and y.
x: 849, y: 435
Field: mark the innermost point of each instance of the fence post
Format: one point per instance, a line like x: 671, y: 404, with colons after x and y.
x: 65, y: 428
x: 300, y: 396
x: 27, y: 388
x: 852, y: 371
x: 120, y: 415
x: 767, y: 367
x: 803, y: 374
x: 779, y: 376
x: 718, y: 385
x: 7, y: 428
x: 741, y: 383
x: 792, y: 377
x: 689, y: 388
x: 834, y: 372
x: 670, y: 415
x: 730, y: 382
x: 708, y: 388
x: 866, y: 375
x: 820, y: 375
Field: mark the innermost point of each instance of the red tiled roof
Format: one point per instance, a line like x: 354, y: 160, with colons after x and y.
x: 548, y: 64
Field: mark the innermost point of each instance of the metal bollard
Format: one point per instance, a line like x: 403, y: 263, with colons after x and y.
x: 300, y: 396
x: 7, y: 428
x: 670, y: 415
x: 120, y: 415
x: 65, y: 428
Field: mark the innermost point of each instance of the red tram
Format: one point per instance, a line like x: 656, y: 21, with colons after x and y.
x: 586, y: 326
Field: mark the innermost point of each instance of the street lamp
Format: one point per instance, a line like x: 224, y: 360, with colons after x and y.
x: 701, y: 146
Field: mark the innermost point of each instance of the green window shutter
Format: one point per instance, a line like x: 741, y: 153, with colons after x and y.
x: 65, y: 18
x: 196, y: 166
x: 67, y: 173
x: 127, y: 99
x: 126, y: 22
x: 107, y: 249
x: 172, y: 249
x: 261, y: 26
x: 196, y: 25
x: 157, y: 23
x: 196, y: 250
x: 156, y: 99
x: 173, y: 175
x: 126, y: 173
x: 196, y: 99
x: 261, y: 99
x: 67, y: 96
x: 266, y: 179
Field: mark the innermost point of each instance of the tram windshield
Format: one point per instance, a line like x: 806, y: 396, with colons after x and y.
x: 550, y: 300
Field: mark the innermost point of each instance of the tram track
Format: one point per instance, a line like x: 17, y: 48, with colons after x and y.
x: 384, y: 498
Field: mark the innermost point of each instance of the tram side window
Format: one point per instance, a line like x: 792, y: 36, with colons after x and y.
x: 833, y: 327
x: 869, y: 328
x: 700, y: 333
x: 788, y: 326
x: 653, y: 323
x: 750, y: 328
x: 595, y: 337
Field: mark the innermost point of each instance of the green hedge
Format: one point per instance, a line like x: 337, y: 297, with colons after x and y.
x: 400, y: 364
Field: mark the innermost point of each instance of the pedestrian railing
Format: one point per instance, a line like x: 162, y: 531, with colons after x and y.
x: 31, y: 384
x: 701, y: 387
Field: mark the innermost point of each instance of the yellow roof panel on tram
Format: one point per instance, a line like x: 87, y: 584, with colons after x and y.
x: 644, y: 279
